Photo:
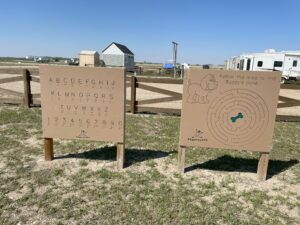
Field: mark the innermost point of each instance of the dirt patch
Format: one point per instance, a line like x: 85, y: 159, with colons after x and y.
x: 2, y: 165
x: 33, y: 142
x: 17, y: 194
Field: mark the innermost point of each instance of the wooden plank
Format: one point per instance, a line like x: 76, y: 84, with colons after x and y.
x: 36, y: 95
x: 262, y: 168
x: 11, y: 101
x: 133, y: 94
x: 288, y: 104
x: 27, y: 88
x: 32, y: 71
x: 120, y: 155
x: 48, y: 144
x: 11, y: 92
x: 286, y: 99
x: 181, y: 159
x: 159, y: 90
x: 158, y: 110
x: 10, y: 70
x: 287, y: 118
x: 158, y: 100
x: 290, y: 86
x: 35, y: 79
x: 11, y: 79
x: 159, y: 80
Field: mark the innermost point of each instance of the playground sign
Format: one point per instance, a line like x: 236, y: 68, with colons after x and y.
x: 83, y: 103
x: 229, y: 109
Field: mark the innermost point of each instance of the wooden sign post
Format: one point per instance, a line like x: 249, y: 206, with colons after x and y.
x: 85, y: 104
x: 230, y: 110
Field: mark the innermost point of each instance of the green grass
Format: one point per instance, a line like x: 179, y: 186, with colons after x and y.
x: 293, y: 82
x: 82, y: 185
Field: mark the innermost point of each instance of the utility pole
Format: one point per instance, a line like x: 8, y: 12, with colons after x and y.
x: 174, y: 56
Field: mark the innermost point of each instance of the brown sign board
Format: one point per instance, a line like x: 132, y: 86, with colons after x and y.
x: 83, y: 103
x: 229, y: 109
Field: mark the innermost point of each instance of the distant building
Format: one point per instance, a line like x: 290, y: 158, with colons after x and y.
x: 118, y: 55
x: 29, y: 57
x: 42, y: 59
x: 89, y: 58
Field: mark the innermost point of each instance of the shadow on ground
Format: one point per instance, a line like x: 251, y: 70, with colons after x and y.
x: 108, y: 153
x: 231, y: 164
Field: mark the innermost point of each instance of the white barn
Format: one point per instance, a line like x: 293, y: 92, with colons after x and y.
x: 118, y: 55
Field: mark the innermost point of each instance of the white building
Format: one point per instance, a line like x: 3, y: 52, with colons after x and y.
x: 288, y: 62
x: 118, y: 55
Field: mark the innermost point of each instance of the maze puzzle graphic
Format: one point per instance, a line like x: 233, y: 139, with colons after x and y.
x: 238, y: 117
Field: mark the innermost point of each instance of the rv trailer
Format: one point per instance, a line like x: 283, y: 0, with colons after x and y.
x: 288, y: 62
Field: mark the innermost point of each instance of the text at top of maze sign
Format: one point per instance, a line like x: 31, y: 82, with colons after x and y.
x: 83, y: 103
x: 229, y: 109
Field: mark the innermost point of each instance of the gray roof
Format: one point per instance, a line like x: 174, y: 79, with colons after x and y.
x: 123, y: 48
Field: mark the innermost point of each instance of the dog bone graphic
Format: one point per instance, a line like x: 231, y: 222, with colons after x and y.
x: 235, y: 118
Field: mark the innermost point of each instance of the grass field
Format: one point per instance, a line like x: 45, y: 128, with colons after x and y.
x: 82, y: 186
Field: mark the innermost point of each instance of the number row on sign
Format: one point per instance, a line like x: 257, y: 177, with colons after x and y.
x: 87, y: 123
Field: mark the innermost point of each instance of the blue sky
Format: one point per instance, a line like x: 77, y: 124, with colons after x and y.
x: 207, y: 31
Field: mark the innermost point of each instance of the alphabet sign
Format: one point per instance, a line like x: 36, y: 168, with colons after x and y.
x: 83, y: 103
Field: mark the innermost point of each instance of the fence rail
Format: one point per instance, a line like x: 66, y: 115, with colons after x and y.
x: 29, y: 99
x: 25, y: 98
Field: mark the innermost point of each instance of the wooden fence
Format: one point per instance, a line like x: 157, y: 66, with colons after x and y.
x: 28, y: 99
x: 141, y: 82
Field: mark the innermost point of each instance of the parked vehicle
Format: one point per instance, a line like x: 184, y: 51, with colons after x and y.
x: 288, y: 62
x: 168, y: 66
x: 73, y: 62
x: 42, y: 59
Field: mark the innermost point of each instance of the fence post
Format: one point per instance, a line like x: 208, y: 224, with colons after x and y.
x: 120, y: 155
x: 262, y: 168
x: 133, y: 95
x: 27, y: 89
x: 181, y: 158
x: 48, y: 144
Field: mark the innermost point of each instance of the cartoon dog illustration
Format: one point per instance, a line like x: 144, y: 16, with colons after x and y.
x: 197, y: 93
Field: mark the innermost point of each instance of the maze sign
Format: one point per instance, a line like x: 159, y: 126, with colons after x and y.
x: 83, y: 103
x: 229, y: 109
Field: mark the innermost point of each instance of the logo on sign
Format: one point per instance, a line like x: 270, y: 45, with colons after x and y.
x: 198, y: 136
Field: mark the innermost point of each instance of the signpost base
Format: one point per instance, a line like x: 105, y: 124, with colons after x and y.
x: 262, y: 168
x: 181, y: 159
x: 120, y: 155
x: 48, y: 143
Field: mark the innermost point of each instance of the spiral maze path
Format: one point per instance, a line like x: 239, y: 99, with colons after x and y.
x: 238, y: 117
